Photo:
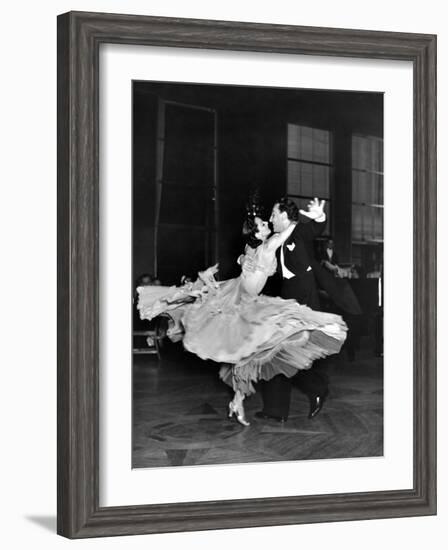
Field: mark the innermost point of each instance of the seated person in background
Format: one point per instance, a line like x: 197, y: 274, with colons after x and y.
x: 376, y: 273
x: 329, y: 260
x: 145, y: 279
x: 138, y: 324
x: 337, y: 294
x: 354, y: 272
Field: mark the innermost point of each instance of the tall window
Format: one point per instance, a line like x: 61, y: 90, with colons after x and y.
x: 367, y: 189
x: 309, y: 166
x: 367, y: 199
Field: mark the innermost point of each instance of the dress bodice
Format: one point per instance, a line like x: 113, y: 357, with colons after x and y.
x: 259, y: 265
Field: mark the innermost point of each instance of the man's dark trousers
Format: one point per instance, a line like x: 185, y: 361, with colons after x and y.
x: 277, y: 391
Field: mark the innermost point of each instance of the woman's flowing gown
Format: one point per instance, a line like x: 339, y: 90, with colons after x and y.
x: 255, y: 336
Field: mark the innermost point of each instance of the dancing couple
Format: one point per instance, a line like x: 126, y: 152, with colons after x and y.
x: 258, y: 338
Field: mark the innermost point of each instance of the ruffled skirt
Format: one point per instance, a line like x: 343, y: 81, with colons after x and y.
x: 255, y: 337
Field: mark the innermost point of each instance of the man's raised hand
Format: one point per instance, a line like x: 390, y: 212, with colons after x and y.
x: 315, y: 209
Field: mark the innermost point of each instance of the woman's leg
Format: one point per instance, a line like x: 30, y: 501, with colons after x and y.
x: 236, y: 407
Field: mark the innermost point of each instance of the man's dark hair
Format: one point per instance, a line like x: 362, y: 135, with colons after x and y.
x: 290, y: 207
x: 249, y: 230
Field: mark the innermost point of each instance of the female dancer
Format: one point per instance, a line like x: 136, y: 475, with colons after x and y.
x: 230, y: 322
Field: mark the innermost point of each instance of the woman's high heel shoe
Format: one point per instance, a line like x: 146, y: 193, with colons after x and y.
x: 238, y: 411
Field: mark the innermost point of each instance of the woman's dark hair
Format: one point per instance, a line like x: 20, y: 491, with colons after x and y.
x: 290, y: 207
x: 250, y: 228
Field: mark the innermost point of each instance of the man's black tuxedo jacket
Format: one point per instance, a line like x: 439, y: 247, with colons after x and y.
x: 298, y: 258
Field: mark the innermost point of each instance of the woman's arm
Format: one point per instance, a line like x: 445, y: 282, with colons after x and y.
x: 278, y: 239
x: 242, y: 257
x: 246, y: 260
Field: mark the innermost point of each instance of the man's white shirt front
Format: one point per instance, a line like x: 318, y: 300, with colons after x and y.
x: 286, y: 273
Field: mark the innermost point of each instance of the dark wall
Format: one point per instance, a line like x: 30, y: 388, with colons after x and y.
x: 252, y: 153
x: 144, y: 175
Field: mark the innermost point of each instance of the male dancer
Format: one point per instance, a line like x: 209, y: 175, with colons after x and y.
x: 294, y: 260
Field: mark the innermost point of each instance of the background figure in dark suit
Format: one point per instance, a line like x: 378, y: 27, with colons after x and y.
x: 328, y: 257
x: 336, y: 294
x: 295, y: 259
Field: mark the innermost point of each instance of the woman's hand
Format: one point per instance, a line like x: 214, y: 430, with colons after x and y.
x: 198, y: 293
x: 246, y: 263
x: 210, y: 272
x: 207, y: 276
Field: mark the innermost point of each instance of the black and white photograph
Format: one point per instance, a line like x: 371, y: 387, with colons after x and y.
x: 223, y: 254
x: 257, y: 263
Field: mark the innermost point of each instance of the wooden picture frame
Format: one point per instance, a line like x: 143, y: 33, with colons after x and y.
x: 79, y: 38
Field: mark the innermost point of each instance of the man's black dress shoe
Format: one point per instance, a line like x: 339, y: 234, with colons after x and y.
x: 264, y: 416
x: 316, y: 404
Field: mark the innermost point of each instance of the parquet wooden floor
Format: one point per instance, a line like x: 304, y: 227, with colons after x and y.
x: 180, y: 415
